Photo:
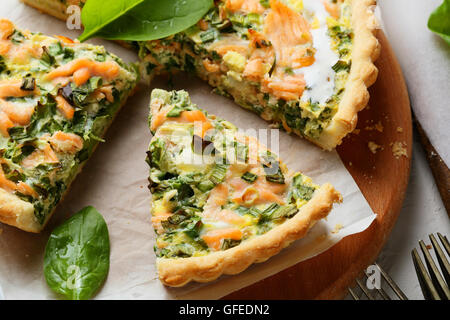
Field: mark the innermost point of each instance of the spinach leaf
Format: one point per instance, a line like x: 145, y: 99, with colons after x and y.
x: 76, y: 258
x: 140, y: 20
x: 439, y: 21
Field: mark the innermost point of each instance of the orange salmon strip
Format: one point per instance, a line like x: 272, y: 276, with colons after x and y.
x: 64, y: 107
x: 214, y: 237
x: 12, y: 88
x: 107, y: 70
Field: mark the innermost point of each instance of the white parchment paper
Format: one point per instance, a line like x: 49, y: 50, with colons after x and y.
x: 115, y: 182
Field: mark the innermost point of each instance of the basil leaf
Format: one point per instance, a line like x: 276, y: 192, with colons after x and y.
x: 140, y: 20
x: 76, y: 258
x: 439, y: 21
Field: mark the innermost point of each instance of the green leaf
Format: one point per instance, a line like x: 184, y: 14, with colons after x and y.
x: 439, y: 21
x: 76, y: 260
x: 140, y: 20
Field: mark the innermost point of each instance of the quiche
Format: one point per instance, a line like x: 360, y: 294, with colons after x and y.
x: 302, y: 65
x: 220, y: 199
x: 57, y: 97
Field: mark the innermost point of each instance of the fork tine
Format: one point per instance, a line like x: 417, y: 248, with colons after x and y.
x: 364, y: 289
x: 353, y: 294
x: 436, y: 277
x: 442, y: 259
x: 380, y: 291
x: 445, y: 243
x: 428, y: 289
x: 392, y: 284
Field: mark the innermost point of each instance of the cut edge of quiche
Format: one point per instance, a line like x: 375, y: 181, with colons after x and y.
x: 213, y: 218
x: 57, y: 99
x: 363, y: 73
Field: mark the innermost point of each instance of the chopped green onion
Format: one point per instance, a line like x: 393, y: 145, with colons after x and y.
x: 249, y: 177
x: 341, y: 65
x: 218, y: 173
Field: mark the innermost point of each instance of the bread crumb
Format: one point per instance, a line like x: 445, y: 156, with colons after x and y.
x: 350, y: 163
x: 337, y: 228
x: 373, y: 147
x: 398, y: 149
x: 399, y: 129
x: 356, y: 131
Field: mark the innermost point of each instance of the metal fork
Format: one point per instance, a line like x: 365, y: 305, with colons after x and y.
x: 431, y: 281
x: 379, y: 293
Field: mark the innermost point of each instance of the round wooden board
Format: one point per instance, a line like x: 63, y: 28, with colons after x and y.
x: 382, y: 179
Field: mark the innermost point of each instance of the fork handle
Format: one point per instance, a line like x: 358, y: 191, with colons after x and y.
x: 440, y: 171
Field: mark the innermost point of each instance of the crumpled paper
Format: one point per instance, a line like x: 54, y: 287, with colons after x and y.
x: 425, y: 61
x: 115, y: 182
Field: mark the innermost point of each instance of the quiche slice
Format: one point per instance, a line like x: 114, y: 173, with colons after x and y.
x: 302, y: 65
x: 57, y: 97
x: 220, y: 200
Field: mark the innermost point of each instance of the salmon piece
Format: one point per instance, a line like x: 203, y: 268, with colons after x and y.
x: 210, y: 66
x: 81, y: 76
x: 20, y: 114
x: 44, y: 155
x: 287, y: 87
x: 157, y: 218
x: 108, y: 92
x: 6, y: 29
x: 254, y: 70
x: 219, y: 195
x: 214, y: 238
x: 22, y: 54
x: 333, y: 9
x: 302, y: 57
x: 11, y: 186
x: 5, y: 46
x: 66, y: 142
x: 202, y: 128
x: 245, y: 6
x: 285, y: 29
x: 260, y: 192
x: 107, y: 70
x: 192, y: 116
x: 5, y: 124
x: 64, y: 107
x: 230, y: 217
x: 12, y: 88
x: 222, y: 50
x: 65, y: 40
x: 25, y: 189
x: 159, y: 118
x: 196, y: 116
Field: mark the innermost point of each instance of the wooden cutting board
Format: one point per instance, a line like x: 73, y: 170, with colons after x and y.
x: 382, y: 178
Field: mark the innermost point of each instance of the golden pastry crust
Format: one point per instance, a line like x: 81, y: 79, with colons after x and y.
x: 363, y: 74
x: 54, y: 8
x: 178, y: 272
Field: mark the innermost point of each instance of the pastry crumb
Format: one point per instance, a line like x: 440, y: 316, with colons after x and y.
x: 379, y: 126
x: 399, y: 129
x: 350, y: 163
x: 337, y: 228
x: 399, y: 150
x: 373, y: 147
x: 356, y: 131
